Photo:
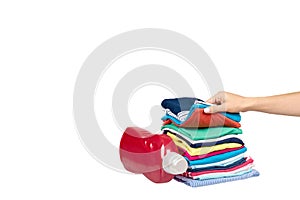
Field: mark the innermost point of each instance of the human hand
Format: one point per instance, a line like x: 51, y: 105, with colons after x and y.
x: 226, y: 102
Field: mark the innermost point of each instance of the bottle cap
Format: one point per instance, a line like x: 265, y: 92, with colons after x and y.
x: 174, y: 163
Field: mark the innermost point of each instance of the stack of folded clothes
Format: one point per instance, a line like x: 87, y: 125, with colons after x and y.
x: 209, y: 142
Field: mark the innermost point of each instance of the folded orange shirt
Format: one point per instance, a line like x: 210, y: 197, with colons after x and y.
x: 200, y: 119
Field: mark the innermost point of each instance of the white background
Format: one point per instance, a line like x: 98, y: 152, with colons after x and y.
x: 255, y: 45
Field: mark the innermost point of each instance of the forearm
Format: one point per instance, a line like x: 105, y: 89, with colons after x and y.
x: 285, y: 104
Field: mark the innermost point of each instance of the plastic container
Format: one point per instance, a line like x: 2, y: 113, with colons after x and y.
x: 153, y: 155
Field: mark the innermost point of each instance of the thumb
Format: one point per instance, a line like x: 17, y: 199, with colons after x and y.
x: 215, y: 109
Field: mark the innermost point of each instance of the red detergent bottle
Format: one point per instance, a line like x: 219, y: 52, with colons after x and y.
x: 153, y: 155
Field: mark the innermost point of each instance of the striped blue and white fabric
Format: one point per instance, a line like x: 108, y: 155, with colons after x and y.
x: 200, y: 183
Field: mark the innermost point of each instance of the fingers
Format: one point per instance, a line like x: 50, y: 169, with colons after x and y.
x: 219, y: 98
x: 211, y: 100
x: 215, y: 109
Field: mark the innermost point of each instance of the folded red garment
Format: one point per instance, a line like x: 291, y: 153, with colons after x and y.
x: 193, y: 174
x: 186, y: 154
x: 200, y: 119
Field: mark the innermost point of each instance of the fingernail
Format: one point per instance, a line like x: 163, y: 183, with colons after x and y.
x: 206, y: 110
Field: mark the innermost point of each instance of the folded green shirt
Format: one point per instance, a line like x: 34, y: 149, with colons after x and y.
x: 203, y: 133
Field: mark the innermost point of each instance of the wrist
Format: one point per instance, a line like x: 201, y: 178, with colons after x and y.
x: 248, y: 104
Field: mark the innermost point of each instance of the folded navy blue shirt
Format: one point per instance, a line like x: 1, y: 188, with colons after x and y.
x: 177, y: 105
